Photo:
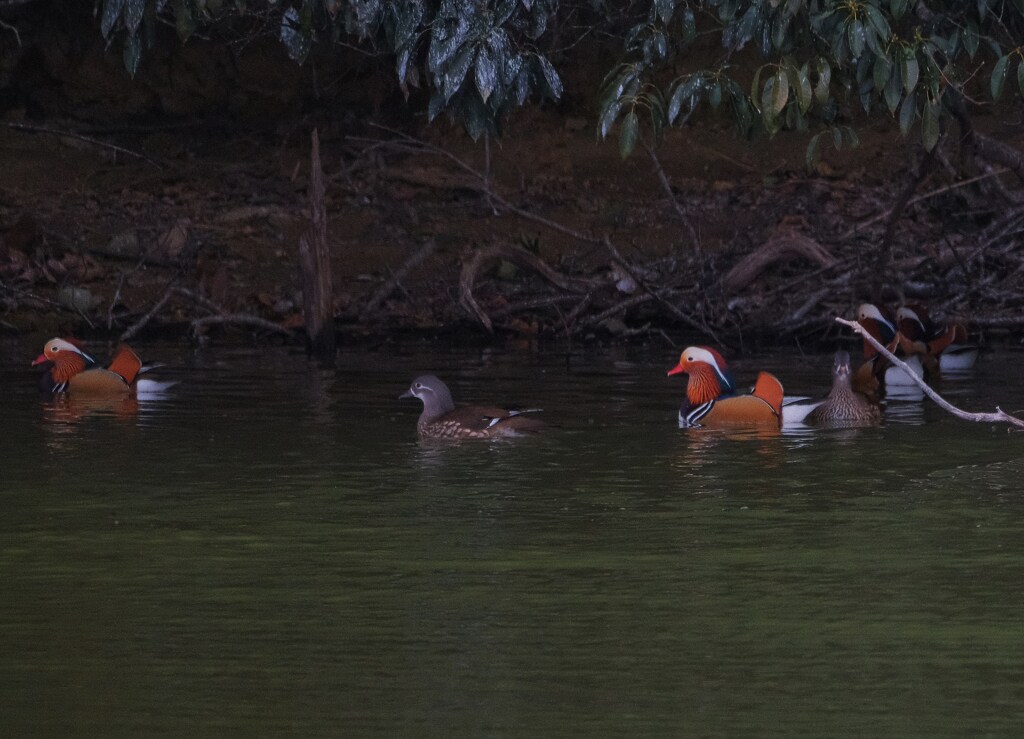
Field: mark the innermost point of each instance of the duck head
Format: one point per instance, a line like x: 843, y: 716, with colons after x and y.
x: 436, y: 397
x: 66, y: 359
x: 707, y: 371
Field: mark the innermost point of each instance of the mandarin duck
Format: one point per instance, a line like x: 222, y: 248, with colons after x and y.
x: 844, y: 406
x: 944, y: 347
x: 69, y: 368
x: 442, y: 420
x: 877, y: 372
x: 710, y: 394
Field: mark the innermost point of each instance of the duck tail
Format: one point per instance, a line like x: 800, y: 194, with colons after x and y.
x: 769, y: 389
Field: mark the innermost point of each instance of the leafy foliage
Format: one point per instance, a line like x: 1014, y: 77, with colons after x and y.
x: 812, y: 60
x: 766, y: 64
x: 479, y: 59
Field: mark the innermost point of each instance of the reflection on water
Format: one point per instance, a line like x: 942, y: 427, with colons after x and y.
x: 270, y: 550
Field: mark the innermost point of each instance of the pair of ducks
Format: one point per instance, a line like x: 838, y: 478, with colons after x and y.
x: 710, y: 402
x: 926, y: 346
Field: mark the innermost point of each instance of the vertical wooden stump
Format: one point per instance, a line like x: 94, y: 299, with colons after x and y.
x: 314, y: 255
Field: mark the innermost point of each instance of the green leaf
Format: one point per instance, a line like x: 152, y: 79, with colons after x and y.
x: 910, y: 70
x: 551, y: 77
x: 780, y: 29
x: 684, y: 91
x: 780, y: 93
x: 999, y: 76
x: 664, y: 9
x: 455, y: 73
x: 812, y: 150
x: 715, y: 95
x: 486, y: 73
x: 799, y: 84
x: 821, y: 89
x: 930, y: 125
x: 898, y: 8
x: 877, y: 21
x: 971, y: 38
x: 837, y: 138
x: 851, y: 136
x: 908, y: 113
x: 132, y: 54
x: 893, y: 90
x: 185, y: 23
x: 111, y: 12
x: 609, y: 116
x: 881, y: 72
x: 133, y: 12
x: 1020, y: 77
x: 629, y: 134
x: 855, y: 36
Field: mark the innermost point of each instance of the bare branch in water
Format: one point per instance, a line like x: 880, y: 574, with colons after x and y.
x: 998, y: 417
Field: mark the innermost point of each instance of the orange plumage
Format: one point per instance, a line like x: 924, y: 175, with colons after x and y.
x: 710, y: 401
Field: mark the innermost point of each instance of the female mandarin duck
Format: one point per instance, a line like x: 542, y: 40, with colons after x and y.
x: 710, y: 400
x: 442, y: 420
x: 70, y: 368
x: 944, y: 347
x: 843, y: 406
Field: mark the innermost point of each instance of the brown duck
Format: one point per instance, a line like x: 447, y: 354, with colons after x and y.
x: 844, y: 406
x: 442, y: 420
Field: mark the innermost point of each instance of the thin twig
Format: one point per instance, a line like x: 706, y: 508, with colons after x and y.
x: 488, y: 191
x: 999, y: 416
x: 240, y: 319
x: 666, y: 185
x: 674, y: 310
x: 385, y: 290
x: 141, y: 323
x: 89, y: 139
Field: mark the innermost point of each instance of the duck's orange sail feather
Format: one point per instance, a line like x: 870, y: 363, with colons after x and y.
x: 125, y: 363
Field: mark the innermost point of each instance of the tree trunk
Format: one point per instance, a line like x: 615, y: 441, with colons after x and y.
x: 314, y: 254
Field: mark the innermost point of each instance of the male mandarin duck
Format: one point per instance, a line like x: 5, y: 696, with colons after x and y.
x: 843, y: 406
x: 877, y: 372
x: 69, y: 368
x: 943, y: 346
x: 442, y: 420
x: 710, y: 400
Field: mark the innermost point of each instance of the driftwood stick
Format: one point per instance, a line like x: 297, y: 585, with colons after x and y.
x: 998, y: 417
x: 200, y: 299
x: 385, y: 290
x: 88, y: 139
x: 140, y: 324
x: 238, y: 319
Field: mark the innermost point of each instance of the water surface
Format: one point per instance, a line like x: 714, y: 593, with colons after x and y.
x: 270, y: 550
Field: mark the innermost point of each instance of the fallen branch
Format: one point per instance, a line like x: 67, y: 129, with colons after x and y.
x: 238, y: 319
x: 385, y: 290
x: 130, y: 332
x: 519, y: 256
x: 998, y: 417
x: 785, y: 243
x: 88, y: 139
x: 674, y: 310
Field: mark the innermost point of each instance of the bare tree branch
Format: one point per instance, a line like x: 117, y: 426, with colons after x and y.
x: 998, y: 417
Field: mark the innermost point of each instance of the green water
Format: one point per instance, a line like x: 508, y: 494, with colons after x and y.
x: 269, y: 550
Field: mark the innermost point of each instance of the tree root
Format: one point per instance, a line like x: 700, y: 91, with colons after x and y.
x: 785, y: 243
x: 517, y: 255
